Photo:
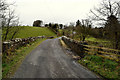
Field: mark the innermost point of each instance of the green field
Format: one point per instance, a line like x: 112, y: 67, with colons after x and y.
x: 90, y: 38
x: 26, y: 31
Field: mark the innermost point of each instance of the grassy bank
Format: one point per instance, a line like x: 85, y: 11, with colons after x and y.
x: 102, y: 65
x: 26, y: 31
x: 11, y: 63
x: 106, y: 68
x: 103, y: 61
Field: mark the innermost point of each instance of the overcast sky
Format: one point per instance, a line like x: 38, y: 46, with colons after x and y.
x: 57, y: 11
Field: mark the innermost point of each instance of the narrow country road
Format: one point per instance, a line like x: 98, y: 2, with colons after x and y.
x: 49, y: 60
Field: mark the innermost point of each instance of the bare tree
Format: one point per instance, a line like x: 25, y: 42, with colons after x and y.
x: 3, y: 8
x: 8, y: 19
x: 105, y: 9
x: 83, y: 29
x: 86, y: 22
x: 15, y: 30
x: 108, y: 14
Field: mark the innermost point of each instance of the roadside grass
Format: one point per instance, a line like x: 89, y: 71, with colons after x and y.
x: 102, y: 63
x: 106, y: 68
x: 27, y: 31
x: 12, y: 62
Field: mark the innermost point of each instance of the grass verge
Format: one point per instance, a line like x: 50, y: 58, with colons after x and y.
x: 11, y: 63
x: 106, y: 68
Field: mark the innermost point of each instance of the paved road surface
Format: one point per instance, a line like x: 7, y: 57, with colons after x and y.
x: 48, y: 60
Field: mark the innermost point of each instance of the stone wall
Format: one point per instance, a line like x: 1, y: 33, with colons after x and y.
x: 77, y: 47
x: 11, y: 45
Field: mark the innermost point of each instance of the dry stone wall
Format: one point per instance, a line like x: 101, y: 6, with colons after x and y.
x: 77, y: 47
x: 11, y: 45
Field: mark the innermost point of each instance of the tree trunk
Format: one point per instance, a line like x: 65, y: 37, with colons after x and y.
x: 6, y: 33
x: 83, y: 38
x: 13, y: 35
